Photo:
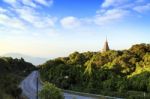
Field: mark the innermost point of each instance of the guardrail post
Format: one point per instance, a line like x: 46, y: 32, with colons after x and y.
x: 37, y: 88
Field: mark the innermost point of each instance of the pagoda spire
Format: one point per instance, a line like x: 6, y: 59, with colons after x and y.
x: 106, y: 46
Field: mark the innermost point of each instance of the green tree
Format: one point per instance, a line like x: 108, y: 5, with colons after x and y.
x: 95, y: 72
x: 12, y: 71
x: 50, y: 91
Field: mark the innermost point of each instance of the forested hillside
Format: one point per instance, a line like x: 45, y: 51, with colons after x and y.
x: 115, y: 72
x: 12, y: 71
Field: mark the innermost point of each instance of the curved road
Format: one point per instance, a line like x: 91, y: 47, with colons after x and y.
x: 29, y: 84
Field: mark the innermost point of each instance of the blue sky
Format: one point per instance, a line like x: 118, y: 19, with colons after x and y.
x: 53, y: 28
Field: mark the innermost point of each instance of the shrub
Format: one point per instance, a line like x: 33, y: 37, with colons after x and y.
x: 50, y: 91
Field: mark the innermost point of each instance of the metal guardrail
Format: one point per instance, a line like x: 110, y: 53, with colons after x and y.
x: 97, y: 96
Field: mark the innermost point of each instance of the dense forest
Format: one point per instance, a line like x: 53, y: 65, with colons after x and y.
x: 121, y: 73
x: 12, y: 71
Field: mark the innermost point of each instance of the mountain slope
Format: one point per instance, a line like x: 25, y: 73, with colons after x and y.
x: 33, y: 60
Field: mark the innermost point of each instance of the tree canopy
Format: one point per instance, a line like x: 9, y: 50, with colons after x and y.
x: 50, y: 91
x: 12, y: 71
x: 100, y: 72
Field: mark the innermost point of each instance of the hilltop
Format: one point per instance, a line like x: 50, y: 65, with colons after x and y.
x: 114, y: 72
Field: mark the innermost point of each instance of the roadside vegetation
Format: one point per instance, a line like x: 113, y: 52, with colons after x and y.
x: 120, y: 73
x: 50, y: 91
x: 12, y: 71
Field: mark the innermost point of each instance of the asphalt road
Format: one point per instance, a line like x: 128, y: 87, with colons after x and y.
x: 29, y: 85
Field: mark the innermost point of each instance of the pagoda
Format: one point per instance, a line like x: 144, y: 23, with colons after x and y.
x: 106, y: 46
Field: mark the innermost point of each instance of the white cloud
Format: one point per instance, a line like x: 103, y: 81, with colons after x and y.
x: 70, y: 22
x: 110, y: 16
x: 10, y: 22
x: 35, y: 18
x: 13, y: 3
x: 29, y: 3
x: 22, y: 17
x: 45, y: 2
x: 2, y: 10
x: 142, y: 8
x: 26, y: 11
x: 113, y: 10
x: 10, y: 1
x: 108, y: 3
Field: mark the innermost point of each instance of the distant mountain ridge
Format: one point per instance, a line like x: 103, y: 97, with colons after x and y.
x: 31, y: 59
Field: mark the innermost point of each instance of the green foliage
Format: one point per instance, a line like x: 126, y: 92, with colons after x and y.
x: 96, y: 72
x: 140, y: 82
x: 50, y: 91
x: 12, y: 71
x: 140, y: 49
